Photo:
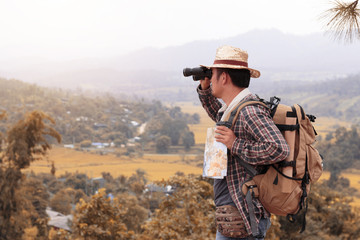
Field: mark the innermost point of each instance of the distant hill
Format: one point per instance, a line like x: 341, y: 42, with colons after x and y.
x: 337, y: 98
x: 269, y: 51
x: 157, y: 73
x: 81, y: 116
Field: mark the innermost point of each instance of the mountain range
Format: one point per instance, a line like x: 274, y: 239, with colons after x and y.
x: 157, y: 73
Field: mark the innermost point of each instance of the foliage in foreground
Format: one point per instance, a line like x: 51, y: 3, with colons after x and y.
x: 330, y: 217
x: 189, y: 214
x: 186, y: 214
x: 101, y: 218
x: 25, y: 142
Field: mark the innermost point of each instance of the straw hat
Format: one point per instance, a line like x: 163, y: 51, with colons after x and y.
x: 232, y: 57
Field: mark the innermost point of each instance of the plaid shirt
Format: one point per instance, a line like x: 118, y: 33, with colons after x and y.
x: 258, y: 142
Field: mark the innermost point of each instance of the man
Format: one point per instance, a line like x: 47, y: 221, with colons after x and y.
x: 254, y: 139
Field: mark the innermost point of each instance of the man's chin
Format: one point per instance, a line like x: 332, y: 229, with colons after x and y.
x: 214, y: 94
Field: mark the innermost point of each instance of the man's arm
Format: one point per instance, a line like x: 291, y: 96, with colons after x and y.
x: 208, y: 101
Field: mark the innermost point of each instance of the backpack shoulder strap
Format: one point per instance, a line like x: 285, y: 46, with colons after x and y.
x: 233, y: 116
x: 229, y: 120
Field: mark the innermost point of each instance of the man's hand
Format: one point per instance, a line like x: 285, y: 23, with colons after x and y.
x: 205, y: 83
x: 225, y: 136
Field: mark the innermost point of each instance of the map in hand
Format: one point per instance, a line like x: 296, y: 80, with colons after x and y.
x: 215, y: 157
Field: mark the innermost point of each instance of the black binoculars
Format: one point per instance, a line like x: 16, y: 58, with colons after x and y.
x: 198, y: 73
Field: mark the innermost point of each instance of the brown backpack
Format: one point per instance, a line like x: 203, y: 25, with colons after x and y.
x: 284, y: 187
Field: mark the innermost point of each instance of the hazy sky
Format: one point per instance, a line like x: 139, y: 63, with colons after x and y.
x: 67, y: 29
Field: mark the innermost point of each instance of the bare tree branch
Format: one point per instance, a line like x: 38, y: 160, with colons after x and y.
x: 342, y: 21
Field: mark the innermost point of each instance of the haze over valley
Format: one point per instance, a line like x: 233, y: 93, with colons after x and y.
x: 279, y: 57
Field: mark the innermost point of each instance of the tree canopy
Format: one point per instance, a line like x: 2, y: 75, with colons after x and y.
x: 340, y: 150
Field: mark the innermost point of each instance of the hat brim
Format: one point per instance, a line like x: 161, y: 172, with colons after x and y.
x: 253, y: 72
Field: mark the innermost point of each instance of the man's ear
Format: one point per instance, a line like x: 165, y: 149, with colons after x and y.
x: 225, y: 78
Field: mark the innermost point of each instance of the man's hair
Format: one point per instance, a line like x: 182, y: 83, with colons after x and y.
x: 239, y: 77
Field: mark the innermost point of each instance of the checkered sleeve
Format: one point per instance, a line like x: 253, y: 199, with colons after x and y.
x: 263, y: 144
x: 210, y: 103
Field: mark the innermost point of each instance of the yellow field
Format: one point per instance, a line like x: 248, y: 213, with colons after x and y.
x: 205, y: 122
x: 354, y: 179
x: 158, y: 167
x: 324, y: 125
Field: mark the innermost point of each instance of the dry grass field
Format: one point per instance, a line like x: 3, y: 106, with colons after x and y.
x: 324, y: 125
x: 354, y: 178
x: 205, y: 122
x: 157, y: 166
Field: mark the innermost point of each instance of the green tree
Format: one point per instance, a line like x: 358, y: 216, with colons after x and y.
x: 138, y: 181
x: 163, y: 124
x: 195, y: 118
x: 63, y: 200
x: 77, y: 181
x: 162, y: 144
x: 341, y: 151
x: 188, y: 140
x: 135, y: 215
x: 174, y: 129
